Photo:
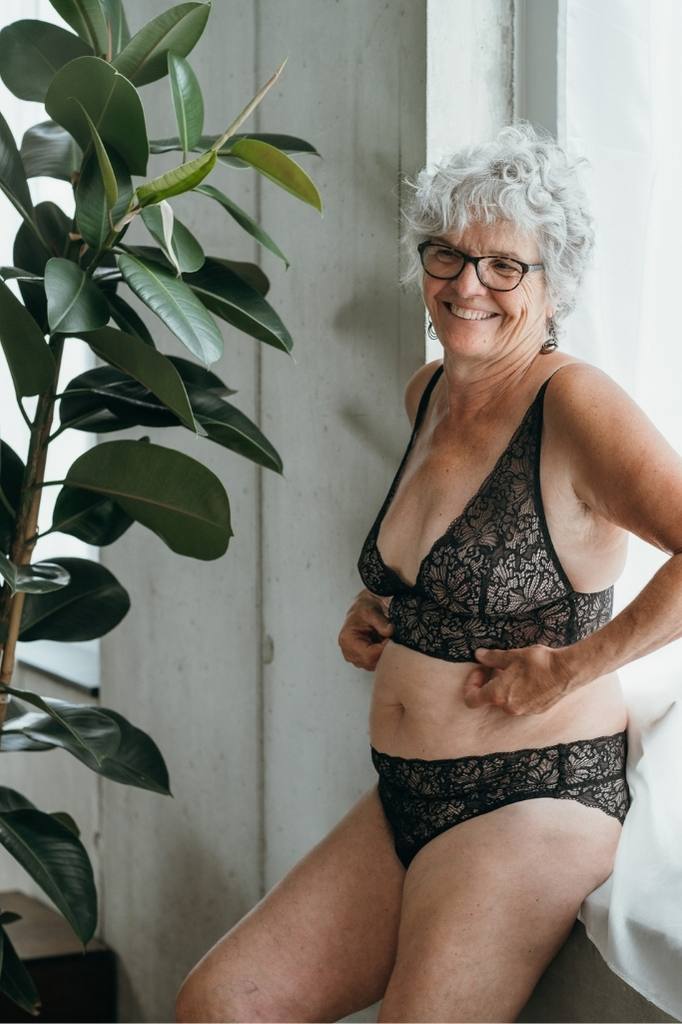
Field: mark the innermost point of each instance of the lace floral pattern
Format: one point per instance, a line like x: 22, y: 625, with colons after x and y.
x: 493, y: 578
x: 423, y: 798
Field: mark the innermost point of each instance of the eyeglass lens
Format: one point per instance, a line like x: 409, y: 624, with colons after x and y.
x: 493, y: 271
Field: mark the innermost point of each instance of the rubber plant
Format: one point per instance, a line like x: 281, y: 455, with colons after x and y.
x: 69, y: 273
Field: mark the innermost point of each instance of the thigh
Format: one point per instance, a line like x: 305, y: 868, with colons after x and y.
x: 321, y: 944
x: 488, y: 904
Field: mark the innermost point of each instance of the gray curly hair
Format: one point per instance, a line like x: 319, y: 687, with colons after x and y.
x: 522, y: 175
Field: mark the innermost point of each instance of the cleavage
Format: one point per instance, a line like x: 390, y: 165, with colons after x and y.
x: 426, y: 475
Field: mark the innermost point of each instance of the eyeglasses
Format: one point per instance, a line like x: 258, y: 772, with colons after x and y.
x: 499, y: 273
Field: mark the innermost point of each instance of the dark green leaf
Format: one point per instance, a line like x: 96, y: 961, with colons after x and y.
x: 127, y: 319
x: 12, y: 175
x: 188, y: 102
x: 11, y: 476
x: 93, y: 604
x: 30, y: 253
x: 112, y: 103
x: 79, y: 728
x: 278, y: 167
x: 105, y: 169
x: 67, y: 821
x: 56, y: 860
x: 144, y: 58
x: 31, y: 53
x: 93, y: 411
x: 287, y: 143
x: 228, y: 295
x: 94, y: 216
x: 232, y: 429
x: 29, y: 358
x: 87, y: 18
x: 16, y: 983
x: 47, y: 150
x: 176, y: 305
x: 242, y: 218
x: 151, y: 368
x: 74, y: 303
x: 131, y: 756
x: 173, y: 495
x: 91, y: 517
x: 199, y: 377
x: 186, y: 249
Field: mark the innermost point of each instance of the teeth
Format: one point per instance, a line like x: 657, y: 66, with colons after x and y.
x: 467, y: 314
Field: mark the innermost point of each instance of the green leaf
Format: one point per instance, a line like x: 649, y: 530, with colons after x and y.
x: 176, y: 181
x: 111, y: 102
x: 228, y: 295
x: 114, y: 401
x: 231, y: 428
x: 116, y: 17
x: 74, y: 303
x: 242, y: 218
x: 278, y: 167
x: 93, y: 604
x: 94, y: 215
x: 105, y: 168
x: 11, y: 477
x: 125, y: 317
x: 67, y: 821
x: 131, y: 756
x: 30, y: 253
x: 151, y: 368
x: 16, y: 983
x: 80, y: 728
x: 176, y: 305
x: 47, y: 150
x: 87, y: 18
x: 38, y: 578
x: 55, y: 859
x: 171, y: 494
x: 287, y: 143
x: 12, y: 175
x: 29, y: 358
x: 92, y: 518
x: 186, y: 250
x: 31, y: 53
x: 188, y: 102
x: 144, y: 58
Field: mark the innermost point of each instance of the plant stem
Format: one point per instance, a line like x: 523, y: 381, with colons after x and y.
x: 26, y: 526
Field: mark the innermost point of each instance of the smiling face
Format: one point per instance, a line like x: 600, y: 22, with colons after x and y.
x: 520, y: 315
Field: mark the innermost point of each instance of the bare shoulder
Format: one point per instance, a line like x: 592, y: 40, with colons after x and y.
x: 622, y: 466
x: 415, y: 386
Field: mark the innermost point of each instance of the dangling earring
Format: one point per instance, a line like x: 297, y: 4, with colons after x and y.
x: 431, y: 331
x: 551, y: 343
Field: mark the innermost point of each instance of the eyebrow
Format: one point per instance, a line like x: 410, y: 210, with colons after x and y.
x: 509, y: 252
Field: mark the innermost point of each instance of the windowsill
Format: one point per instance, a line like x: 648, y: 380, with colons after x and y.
x: 75, y: 665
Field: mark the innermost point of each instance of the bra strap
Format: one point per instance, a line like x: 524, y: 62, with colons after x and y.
x: 426, y: 394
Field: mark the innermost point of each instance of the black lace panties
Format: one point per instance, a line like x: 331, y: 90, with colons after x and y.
x: 422, y: 798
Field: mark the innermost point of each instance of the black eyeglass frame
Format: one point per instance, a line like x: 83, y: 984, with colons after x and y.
x: 525, y: 267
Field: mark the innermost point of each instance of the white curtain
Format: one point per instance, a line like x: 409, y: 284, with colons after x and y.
x: 620, y: 105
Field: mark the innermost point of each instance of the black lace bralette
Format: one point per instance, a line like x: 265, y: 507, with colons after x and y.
x: 493, y: 579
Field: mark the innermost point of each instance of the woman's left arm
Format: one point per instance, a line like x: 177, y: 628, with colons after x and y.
x: 627, y: 472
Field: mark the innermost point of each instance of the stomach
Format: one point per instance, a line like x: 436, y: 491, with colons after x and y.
x: 418, y: 710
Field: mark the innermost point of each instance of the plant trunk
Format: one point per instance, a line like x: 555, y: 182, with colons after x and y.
x: 26, y: 528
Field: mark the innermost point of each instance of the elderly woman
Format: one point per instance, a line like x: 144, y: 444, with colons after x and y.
x: 497, y: 726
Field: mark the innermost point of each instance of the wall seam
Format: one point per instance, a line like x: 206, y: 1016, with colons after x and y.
x: 260, y: 542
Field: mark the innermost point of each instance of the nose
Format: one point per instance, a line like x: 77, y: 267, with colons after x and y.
x: 467, y: 282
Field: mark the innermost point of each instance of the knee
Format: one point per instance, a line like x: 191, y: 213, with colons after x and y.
x: 197, y: 1000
